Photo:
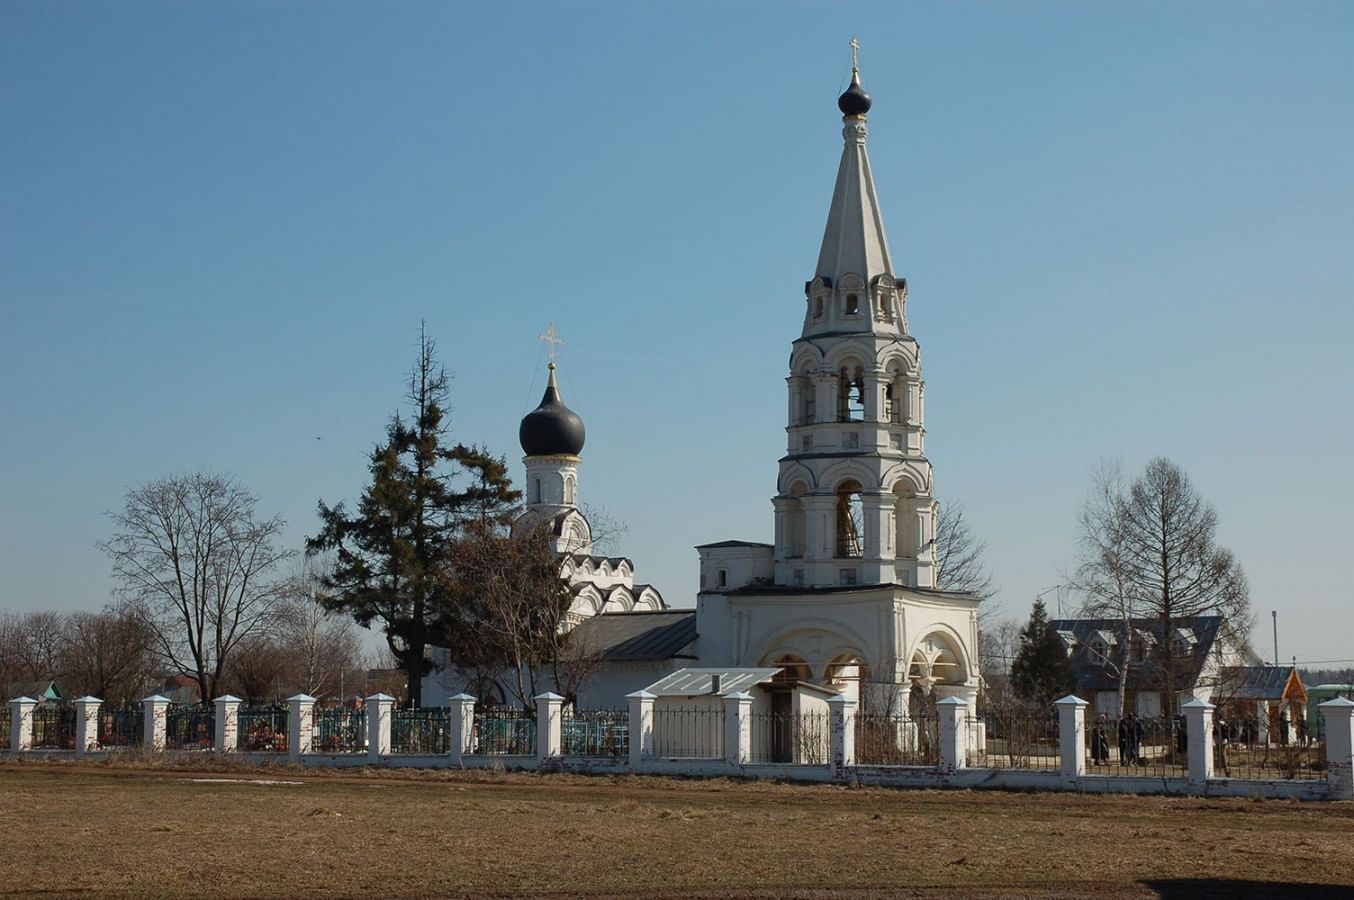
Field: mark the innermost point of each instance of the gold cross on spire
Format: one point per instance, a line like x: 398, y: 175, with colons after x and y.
x: 551, y: 337
x: 855, y: 54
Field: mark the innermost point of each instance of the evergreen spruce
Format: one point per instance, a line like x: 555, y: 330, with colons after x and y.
x: 1042, y: 671
x: 391, y: 559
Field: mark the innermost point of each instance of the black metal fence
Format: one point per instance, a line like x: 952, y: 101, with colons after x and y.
x: 688, y: 732
x: 53, y: 727
x: 4, y: 727
x: 340, y: 729
x: 897, y: 740
x: 1015, y: 738
x: 190, y: 728
x: 1269, y: 760
x: 121, y: 729
x: 505, y: 732
x: 1156, y: 747
x: 421, y: 730
x: 598, y: 732
x: 789, y: 738
x: 263, y: 729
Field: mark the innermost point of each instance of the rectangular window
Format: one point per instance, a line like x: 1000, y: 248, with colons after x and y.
x: 807, y: 443
x: 846, y: 577
x: 798, y: 577
x: 850, y: 440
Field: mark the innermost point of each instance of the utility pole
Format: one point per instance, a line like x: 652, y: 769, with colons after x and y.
x: 1275, y: 614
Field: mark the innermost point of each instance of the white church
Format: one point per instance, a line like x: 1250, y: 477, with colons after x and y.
x: 845, y: 599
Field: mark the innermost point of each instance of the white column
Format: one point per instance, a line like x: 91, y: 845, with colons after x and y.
x: 641, y: 728
x: 953, y: 714
x: 379, y: 708
x: 1199, y: 738
x: 549, y: 728
x: 227, y: 723
x: 737, y: 727
x: 842, y: 724
x: 300, y: 725
x: 1072, y: 736
x: 87, y: 724
x: 462, y: 717
x: 156, y: 717
x: 21, y: 723
x: 1339, y: 725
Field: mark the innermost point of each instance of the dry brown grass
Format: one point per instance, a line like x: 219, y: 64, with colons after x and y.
x: 128, y: 830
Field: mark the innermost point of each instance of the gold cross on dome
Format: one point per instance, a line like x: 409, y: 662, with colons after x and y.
x: 855, y: 52
x: 551, y: 337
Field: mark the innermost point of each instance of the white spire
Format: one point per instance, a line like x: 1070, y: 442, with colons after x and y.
x: 854, y: 241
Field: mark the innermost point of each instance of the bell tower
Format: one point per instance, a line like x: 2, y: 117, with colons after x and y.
x: 854, y: 501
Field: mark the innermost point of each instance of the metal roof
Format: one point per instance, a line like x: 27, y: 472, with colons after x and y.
x: 695, y: 682
x: 1256, y: 682
x: 637, y: 636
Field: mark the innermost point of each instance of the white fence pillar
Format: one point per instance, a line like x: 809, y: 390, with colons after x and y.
x: 953, y: 714
x: 462, y: 721
x: 157, y: 716
x: 1339, y: 725
x: 1199, y: 740
x: 227, y: 723
x: 1071, y: 736
x: 300, y: 725
x: 379, y: 708
x: 87, y: 724
x: 641, y: 727
x: 842, y: 735
x: 21, y: 723
x: 549, y: 728
x: 737, y: 727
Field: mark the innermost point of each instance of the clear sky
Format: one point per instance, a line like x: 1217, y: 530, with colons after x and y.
x: 1126, y: 230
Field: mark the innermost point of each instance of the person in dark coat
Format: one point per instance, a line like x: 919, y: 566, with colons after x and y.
x: 1100, y: 741
x: 1125, y: 730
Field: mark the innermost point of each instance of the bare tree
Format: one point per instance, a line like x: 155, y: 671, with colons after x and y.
x: 256, y: 669
x: 1149, y: 551
x: 320, y: 646
x: 513, y: 582
x: 194, y: 558
x: 108, y: 655
x: 1103, y: 576
x: 959, y: 554
x: 30, y: 646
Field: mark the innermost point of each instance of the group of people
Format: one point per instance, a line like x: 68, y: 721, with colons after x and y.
x: 1129, y: 732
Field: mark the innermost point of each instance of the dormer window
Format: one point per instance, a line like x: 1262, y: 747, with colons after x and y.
x: 1099, y: 651
x: 852, y: 305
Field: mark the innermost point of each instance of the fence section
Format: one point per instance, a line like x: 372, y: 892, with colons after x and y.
x: 788, y: 738
x: 121, y: 729
x: 505, y: 732
x: 263, y: 729
x: 340, y: 729
x: 689, y: 732
x: 1156, y: 747
x: 896, y: 740
x: 1302, y: 761
x: 421, y: 730
x: 190, y: 728
x: 1017, y: 738
x: 597, y: 733
x: 53, y: 727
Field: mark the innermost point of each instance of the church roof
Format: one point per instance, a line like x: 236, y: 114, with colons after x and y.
x: 854, y: 241
x: 637, y: 636
x: 717, y: 545
x: 552, y: 429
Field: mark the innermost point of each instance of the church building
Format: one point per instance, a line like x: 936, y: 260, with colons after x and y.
x: 846, y: 597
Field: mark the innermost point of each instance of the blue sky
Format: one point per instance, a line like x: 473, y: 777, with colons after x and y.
x: 1125, y: 227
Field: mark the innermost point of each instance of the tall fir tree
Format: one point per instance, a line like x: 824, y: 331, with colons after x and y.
x: 1042, y: 671
x: 391, y: 559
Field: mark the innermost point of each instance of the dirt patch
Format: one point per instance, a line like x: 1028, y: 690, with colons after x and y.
x: 172, y: 831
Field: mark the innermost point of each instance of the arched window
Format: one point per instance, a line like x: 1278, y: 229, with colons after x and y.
x: 852, y: 305
x: 568, y: 490
x: 536, y: 491
x: 850, y: 520
x: 723, y: 578
x: 851, y: 395
x: 817, y: 307
x: 884, y: 312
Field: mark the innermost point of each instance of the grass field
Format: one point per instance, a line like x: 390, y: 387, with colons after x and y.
x: 103, y: 830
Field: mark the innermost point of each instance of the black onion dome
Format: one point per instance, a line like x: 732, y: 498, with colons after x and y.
x: 552, y: 429
x: 855, y: 102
